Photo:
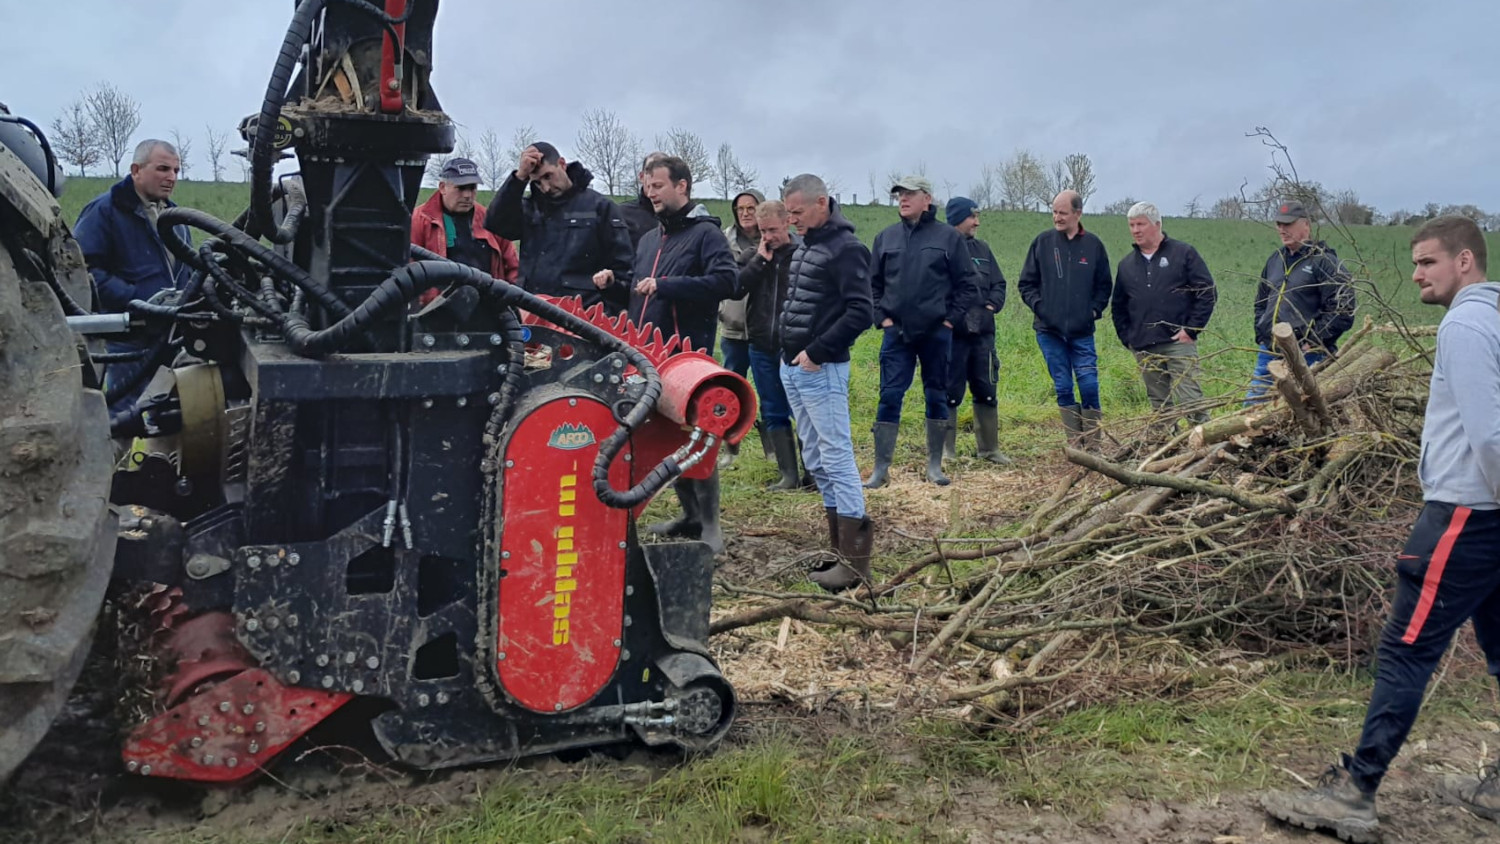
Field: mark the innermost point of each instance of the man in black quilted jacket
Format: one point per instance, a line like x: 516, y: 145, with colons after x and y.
x: 827, y: 307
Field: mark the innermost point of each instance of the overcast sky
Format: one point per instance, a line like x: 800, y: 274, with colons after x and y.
x: 1397, y: 100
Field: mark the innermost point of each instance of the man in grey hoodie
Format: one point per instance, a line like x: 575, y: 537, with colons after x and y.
x: 1449, y: 571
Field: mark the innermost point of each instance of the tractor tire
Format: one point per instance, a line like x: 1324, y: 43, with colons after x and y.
x: 57, y: 532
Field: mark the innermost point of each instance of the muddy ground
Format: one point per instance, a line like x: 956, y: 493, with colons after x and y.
x: 74, y: 790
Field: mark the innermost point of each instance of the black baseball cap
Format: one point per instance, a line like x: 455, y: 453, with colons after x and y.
x: 460, y: 172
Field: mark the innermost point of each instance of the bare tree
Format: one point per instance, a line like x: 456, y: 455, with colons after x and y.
x: 115, y: 116
x: 1120, y: 207
x: 1228, y: 208
x: 74, y: 140
x: 609, y: 148
x: 216, y: 143
x: 688, y: 147
x: 184, y: 146
x: 986, y: 190
x: 1194, y: 209
x: 745, y: 178
x: 1080, y: 175
x: 874, y: 190
x: 1347, y: 210
x: 835, y: 186
x: 1058, y: 179
x: 489, y: 156
x: 1023, y: 182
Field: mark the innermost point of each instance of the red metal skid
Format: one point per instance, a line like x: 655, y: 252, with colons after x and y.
x: 391, y: 59
x: 230, y: 732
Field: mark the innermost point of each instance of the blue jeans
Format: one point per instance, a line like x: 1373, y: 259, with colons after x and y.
x: 775, y: 410
x: 1260, y: 382
x: 736, y: 354
x: 898, y: 363
x: 1067, y: 358
x: 820, y: 403
x: 1445, y: 576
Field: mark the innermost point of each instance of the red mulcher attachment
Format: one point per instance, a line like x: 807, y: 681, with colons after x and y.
x: 584, y: 637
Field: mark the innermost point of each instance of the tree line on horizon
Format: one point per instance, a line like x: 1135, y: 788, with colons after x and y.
x: 100, y: 126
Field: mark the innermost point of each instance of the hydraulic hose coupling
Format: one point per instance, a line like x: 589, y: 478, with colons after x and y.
x: 698, y: 393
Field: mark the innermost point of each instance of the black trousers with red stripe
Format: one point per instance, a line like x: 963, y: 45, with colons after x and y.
x: 1448, y: 573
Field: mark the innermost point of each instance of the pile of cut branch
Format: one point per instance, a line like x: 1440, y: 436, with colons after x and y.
x: 1266, y: 531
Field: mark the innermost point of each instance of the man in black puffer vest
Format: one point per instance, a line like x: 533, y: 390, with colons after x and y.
x: 923, y: 282
x: 828, y: 305
x: 568, y: 231
x: 683, y: 270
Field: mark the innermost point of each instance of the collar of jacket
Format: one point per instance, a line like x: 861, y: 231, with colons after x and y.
x: 927, y: 216
x: 1307, y: 248
x: 683, y: 217
x: 835, y: 223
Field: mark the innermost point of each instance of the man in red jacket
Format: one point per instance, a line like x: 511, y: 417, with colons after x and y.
x: 451, y: 224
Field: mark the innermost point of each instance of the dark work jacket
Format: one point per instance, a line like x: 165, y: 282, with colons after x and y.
x: 1157, y: 298
x: 1065, y: 282
x: 980, y: 318
x: 124, y: 251
x: 689, y: 258
x: 764, y: 284
x: 566, y: 239
x: 921, y: 276
x: 1310, y: 289
x: 828, y: 302
x: 640, y: 217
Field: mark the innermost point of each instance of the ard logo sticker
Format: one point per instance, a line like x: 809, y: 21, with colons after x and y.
x: 569, y: 437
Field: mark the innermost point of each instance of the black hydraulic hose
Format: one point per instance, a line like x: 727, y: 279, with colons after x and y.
x: 514, y: 335
x: 403, y: 284
x: 157, y: 355
x: 70, y: 305
x: 41, y: 139
x: 262, y: 149
x: 232, y: 236
x: 119, y: 357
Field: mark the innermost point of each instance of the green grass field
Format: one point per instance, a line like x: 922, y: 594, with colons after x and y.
x: 1234, y: 250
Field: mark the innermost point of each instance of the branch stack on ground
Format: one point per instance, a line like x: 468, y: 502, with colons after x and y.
x: 1266, y: 532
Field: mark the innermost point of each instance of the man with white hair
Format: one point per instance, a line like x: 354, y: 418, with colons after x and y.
x: 1164, y: 296
x: 127, y: 256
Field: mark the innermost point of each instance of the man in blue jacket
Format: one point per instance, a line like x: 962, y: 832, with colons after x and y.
x: 923, y: 283
x: 1065, y: 282
x: 683, y: 270
x: 1447, y: 573
x: 1164, y: 296
x: 127, y: 257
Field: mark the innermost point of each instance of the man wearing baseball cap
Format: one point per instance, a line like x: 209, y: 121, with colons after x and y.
x: 1305, y: 285
x: 451, y: 223
x: 923, y: 283
x: 973, y: 363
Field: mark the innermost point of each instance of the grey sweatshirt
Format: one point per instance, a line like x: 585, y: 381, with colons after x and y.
x: 1461, y: 435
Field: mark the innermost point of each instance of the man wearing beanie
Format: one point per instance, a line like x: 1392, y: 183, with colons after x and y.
x: 973, y: 363
x: 923, y: 283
